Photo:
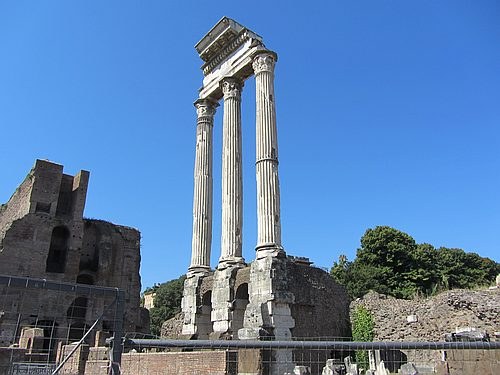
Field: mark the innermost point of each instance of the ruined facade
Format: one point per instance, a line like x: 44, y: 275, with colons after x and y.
x: 43, y: 235
x: 276, y: 296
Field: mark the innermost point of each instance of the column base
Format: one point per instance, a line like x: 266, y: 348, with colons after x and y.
x: 273, y: 250
x: 237, y: 262
x: 198, y: 271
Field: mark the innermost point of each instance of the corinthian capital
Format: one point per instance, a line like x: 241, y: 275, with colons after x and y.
x: 231, y: 87
x: 205, y: 107
x: 264, y: 62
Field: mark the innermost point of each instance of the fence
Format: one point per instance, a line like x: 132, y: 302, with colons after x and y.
x: 48, y: 326
x: 152, y: 357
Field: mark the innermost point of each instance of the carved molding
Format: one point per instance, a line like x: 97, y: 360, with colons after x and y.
x: 230, y: 48
x: 231, y: 88
x: 205, y: 108
x: 263, y: 62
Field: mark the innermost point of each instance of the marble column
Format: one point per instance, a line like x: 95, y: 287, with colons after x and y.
x: 203, y: 186
x: 232, y: 175
x: 268, y: 190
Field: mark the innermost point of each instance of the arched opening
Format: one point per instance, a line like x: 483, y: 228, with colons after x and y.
x: 56, y: 259
x: 239, y: 306
x: 204, y: 322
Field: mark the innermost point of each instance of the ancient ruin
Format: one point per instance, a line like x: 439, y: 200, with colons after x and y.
x: 43, y: 235
x: 276, y: 296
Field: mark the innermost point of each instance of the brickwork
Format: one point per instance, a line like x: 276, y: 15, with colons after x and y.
x: 43, y: 235
x: 9, y: 356
x: 180, y: 363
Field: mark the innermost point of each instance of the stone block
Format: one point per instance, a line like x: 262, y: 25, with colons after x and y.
x: 221, y: 326
x: 381, y: 370
x: 409, y: 369
x: 301, y: 370
x: 98, y: 354
x: 412, y: 319
x: 32, y: 339
x: 276, y: 309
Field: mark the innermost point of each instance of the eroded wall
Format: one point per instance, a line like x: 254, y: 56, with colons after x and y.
x: 43, y: 235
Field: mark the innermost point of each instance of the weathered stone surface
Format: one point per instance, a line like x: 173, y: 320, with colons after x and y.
x: 191, y: 304
x: 232, y: 176
x: 381, y: 370
x: 301, y: 370
x: 172, y: 328
x: 203, y: 188
x: 9, y: 356
x: 437, y: 316
x: 331, y: 368
x: 409, y: 369
x: 350, y: 367
x: 448, y: 312
x: 467, y: 336
x: 268, y: 187
x: 227, y: 50
x: 43, y: 235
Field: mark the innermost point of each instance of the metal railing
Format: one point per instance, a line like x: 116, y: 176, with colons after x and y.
x: 151, y: 357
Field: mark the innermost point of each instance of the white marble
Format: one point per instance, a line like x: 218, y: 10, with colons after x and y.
x: 203, y: 186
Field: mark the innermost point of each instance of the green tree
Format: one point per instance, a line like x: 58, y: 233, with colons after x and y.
x: 388, y: 255
x: 424, y: 273
x: 340, y: 270
x: 389, y: 261
x: 167, y: 303
x: 458, y: 269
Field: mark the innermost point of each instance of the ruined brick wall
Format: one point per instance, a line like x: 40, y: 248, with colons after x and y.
x: 320, y: 310
x: 9, y: 356
x: 111, y: 257
x: 17, y: 207
x: 45, y: 200
x: 180, y: 363
x: 321, y: 307
x: 43, y: 235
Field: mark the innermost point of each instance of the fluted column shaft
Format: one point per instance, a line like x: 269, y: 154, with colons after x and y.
x: 203, y: 187
x: 268, y: 190
x: 232, y: 177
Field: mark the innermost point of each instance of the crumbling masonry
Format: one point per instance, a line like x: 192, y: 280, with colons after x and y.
x: 43, y: 235
x: 277, y: 296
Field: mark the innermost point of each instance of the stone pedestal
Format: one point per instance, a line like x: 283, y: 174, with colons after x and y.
x: 268, y: 312
x: 196, y: 319
x: 222, y: 303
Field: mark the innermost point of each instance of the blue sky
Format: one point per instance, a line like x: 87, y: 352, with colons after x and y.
x: 388, y: 114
